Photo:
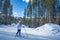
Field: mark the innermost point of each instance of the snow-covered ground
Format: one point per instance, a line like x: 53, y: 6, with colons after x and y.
x: 48, y: 31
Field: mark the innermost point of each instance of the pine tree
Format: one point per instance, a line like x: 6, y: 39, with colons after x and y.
x: 6, y: 10
x: 1, y: 6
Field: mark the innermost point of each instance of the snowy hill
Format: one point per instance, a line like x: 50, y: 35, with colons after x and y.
x: 49, y: 29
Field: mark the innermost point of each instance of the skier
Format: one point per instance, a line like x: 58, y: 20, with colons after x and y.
x: 19, y: 29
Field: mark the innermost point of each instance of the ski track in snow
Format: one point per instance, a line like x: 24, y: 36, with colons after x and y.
x: 7, y: 36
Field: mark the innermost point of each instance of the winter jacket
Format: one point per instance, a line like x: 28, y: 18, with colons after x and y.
x: 19, y: 26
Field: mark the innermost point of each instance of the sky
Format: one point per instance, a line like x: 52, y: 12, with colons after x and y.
x: 18, y: 7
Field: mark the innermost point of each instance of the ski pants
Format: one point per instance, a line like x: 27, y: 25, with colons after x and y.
x: 18, y: 32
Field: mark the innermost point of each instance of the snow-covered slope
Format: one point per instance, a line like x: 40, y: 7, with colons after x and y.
x: 48, y: 29
x: 45, y: 32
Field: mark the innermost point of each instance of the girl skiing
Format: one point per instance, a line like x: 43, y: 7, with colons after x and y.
x: 19, y: 29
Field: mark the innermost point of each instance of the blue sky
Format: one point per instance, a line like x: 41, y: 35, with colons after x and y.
x: 18, y: 7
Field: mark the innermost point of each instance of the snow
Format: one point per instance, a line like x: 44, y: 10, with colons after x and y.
x: 48, y: 31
